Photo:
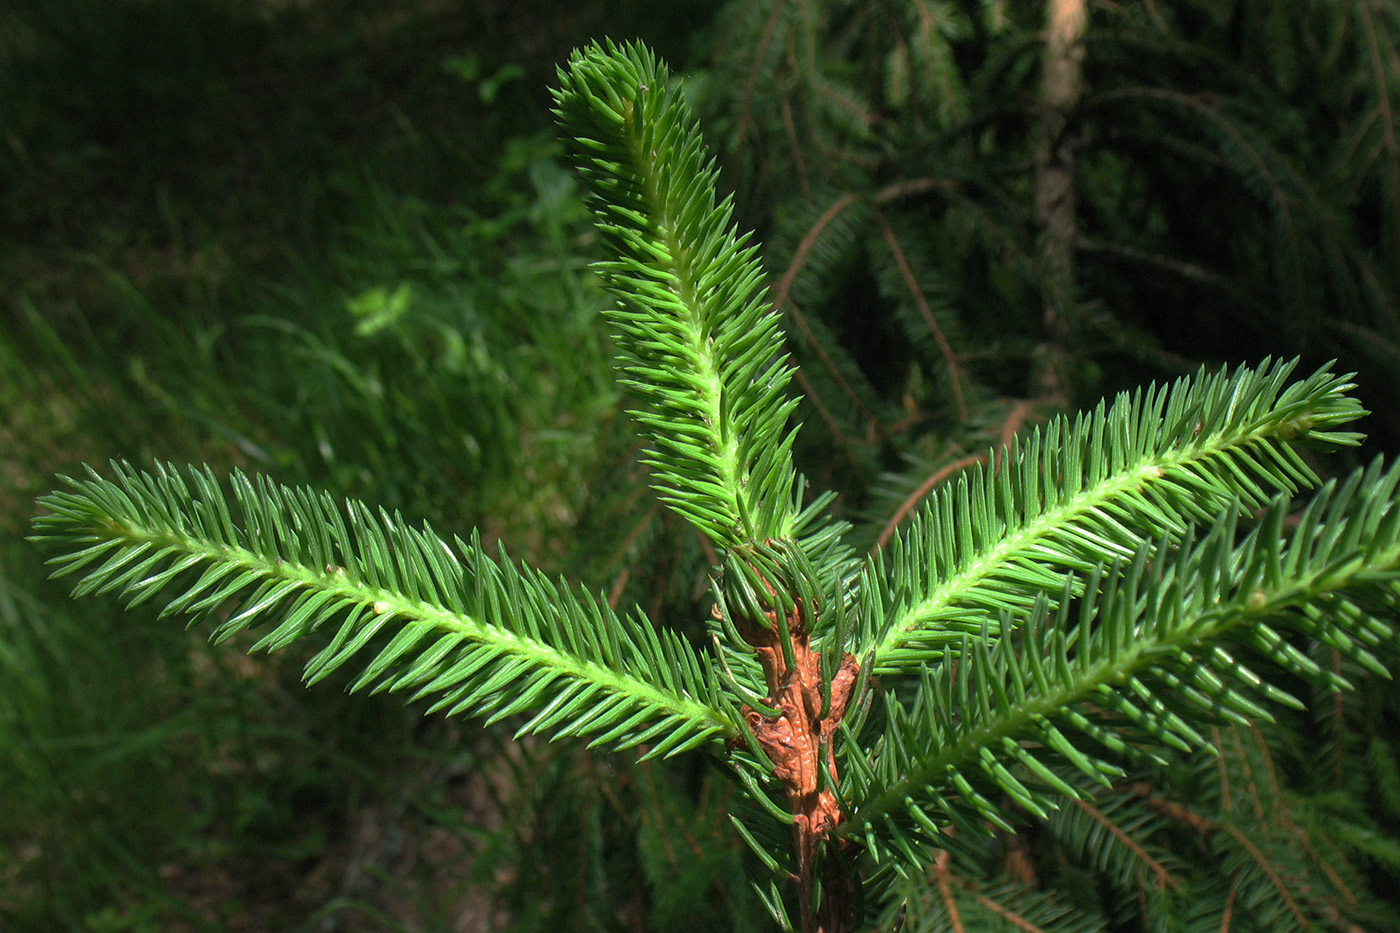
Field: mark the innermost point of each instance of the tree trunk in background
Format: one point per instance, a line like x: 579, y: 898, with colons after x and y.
x: 1065, y: 23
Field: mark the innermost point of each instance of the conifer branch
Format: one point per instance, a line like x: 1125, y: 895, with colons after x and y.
x: 1076, y: 493
x: 472, y: 634
x: 1159, y: 650
x: 695, y: 334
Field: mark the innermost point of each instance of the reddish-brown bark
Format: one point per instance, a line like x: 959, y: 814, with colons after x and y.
x: 797, y: 742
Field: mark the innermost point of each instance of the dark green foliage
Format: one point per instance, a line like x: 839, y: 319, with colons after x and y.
x: 1040, y: 625
x: 1215, y: 217
x: 203, y: 281
x: 1073, y: 618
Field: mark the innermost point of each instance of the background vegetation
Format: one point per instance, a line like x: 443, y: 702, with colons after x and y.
x: 332, y: 241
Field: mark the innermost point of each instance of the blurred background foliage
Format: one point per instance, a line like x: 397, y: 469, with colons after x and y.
x: 330, y: 240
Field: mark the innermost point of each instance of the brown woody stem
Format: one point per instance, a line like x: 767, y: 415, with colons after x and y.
x: 796, y: 742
